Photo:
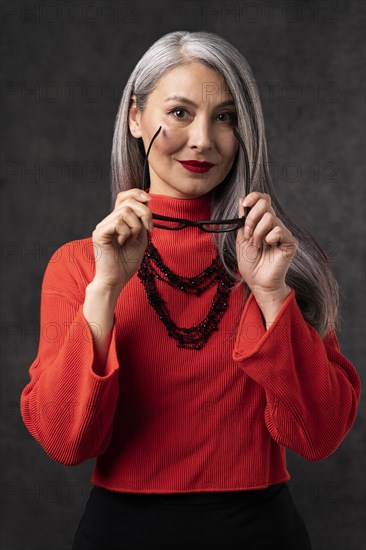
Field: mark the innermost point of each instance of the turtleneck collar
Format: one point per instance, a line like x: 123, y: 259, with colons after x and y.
x: 188, y: 251
x: 195, y: 209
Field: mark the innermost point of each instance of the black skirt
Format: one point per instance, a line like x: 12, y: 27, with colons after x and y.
x: 263, y: 519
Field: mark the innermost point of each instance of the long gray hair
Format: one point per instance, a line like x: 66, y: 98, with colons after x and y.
x: 316, y: 289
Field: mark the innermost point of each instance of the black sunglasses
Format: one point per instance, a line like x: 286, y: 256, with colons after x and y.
x: 210, y: 226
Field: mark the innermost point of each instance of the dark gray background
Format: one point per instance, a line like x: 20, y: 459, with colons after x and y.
x: 308, y: 59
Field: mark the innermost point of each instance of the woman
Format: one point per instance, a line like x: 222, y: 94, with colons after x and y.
x: 188, y: 402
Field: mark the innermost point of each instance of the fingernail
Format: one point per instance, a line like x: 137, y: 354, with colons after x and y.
x: 145, y: 196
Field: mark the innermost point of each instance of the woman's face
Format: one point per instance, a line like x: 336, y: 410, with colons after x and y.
x: 194, y: 127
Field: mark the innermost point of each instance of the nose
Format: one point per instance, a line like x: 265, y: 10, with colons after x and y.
x: 200, y: 135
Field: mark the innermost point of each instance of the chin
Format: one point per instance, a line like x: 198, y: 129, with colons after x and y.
x: 195, y: 190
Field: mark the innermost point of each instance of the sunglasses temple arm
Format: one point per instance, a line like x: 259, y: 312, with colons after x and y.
x: 145, y: 162
x: 247, y: 168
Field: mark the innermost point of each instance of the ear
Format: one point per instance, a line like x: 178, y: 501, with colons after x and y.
x: 134, y: 117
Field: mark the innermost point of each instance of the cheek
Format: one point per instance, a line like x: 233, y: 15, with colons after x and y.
x: 230, y: 154
x: 174, y: 143
x: 166, y: 153
x: 168, y: 146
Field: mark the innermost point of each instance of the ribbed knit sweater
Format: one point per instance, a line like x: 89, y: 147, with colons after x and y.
x: 164, y: 419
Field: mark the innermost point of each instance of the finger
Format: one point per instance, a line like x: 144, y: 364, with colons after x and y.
x: 137, y: 194
x: 256, y: 213
x: 241, y: 207
x: 254, y: 196
x: 112, y: 228
x: 125, y: 225
x: 242, y: 212
x: 282, y: 238
x: 128, y: 223
x: 263, y: 227
x: 275, y: 237
x: 141, y: 210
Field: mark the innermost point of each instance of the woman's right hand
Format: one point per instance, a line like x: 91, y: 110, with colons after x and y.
x: 120, y: 239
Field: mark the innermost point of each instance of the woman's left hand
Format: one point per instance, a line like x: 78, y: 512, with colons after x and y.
x: 265, y: 254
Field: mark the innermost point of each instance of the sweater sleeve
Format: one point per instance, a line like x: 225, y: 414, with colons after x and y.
x: 312, y: 390
x: 66, y: 406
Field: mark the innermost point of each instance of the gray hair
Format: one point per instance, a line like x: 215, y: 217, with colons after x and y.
x: 316, y: 289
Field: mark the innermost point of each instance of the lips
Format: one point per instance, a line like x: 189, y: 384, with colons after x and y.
x: 197, y: 163
x: 196, y: 166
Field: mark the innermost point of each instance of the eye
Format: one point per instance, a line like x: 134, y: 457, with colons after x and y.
x: 177, y: 110
x: 232, y: 117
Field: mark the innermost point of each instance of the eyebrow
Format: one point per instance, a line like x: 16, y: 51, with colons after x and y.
x: 190, y: 102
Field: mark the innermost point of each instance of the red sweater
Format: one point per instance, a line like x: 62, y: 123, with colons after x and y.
x: 164, y: 419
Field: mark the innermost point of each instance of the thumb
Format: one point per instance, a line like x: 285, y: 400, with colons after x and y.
x: 240, y: 234
x: 241, y: 207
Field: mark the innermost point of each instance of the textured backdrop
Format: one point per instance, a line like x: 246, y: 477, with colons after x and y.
x: 64, y: 66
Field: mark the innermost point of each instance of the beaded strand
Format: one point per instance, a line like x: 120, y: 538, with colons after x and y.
x: 194, y: 337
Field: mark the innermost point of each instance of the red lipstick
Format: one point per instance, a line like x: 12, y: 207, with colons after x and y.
x: 196, y: 165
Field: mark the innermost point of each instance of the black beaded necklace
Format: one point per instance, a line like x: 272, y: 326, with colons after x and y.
x: 194, y: 337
